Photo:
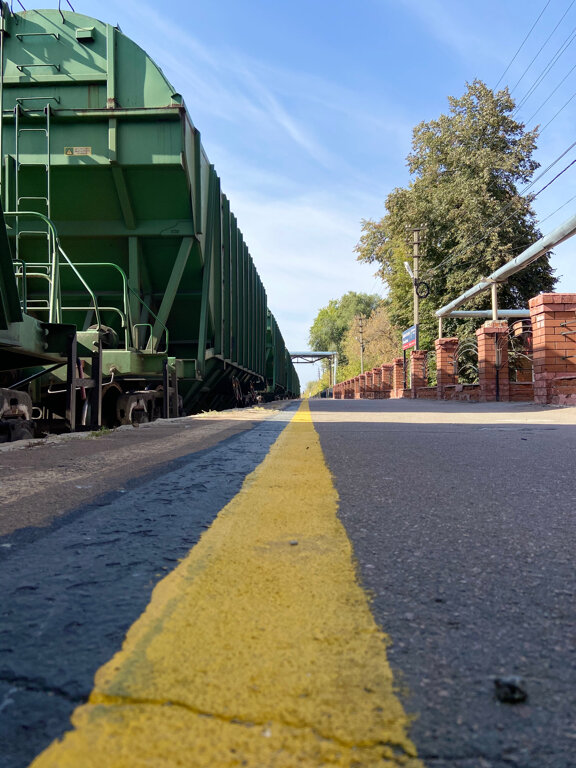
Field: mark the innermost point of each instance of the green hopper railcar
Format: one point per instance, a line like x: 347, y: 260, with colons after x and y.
x: 125, y: 255
x: 280, y: 372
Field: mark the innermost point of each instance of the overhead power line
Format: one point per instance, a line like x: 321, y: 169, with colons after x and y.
x: 557, y: 113
x: 555, y: 177
x: 544, y: 44
x: 547, y: 69
x: 472, y: 244
x: 533, y: 115
x: 557, y: 209
x: 522, y: 44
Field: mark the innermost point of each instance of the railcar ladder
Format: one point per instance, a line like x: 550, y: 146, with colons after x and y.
x: 39, y: 200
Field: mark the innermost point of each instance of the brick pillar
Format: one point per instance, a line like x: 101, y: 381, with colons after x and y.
x: 553, y: 343
x: 362, y: 380
x: 445, y: 375
x: 418, y: 376
x: 397, y: 376
x: 387, y: 373
x: 377, y: 379
x: 494, y: 384
x: 369, y: 385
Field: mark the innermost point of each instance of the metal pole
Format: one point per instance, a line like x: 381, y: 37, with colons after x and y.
x: 487, y: 313
x: 335, y: 365
x: 96, y: 391
x: 361, y: 331
x: 494, y: 291
x: 174, y: 383
x: 34, y: 376
x: 71, y: 376
x: 404, y: 368
x: 497, y: 365
x: 415, y: 269
x: 166, y: 388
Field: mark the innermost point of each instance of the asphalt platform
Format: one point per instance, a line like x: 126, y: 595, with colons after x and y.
x: 462, y: 524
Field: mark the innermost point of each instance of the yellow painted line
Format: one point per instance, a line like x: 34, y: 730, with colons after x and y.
x: 258, y: 650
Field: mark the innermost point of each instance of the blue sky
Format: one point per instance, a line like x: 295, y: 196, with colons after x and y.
x: 306, y: 108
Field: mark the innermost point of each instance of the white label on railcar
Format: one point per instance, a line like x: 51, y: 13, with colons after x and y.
x: 71, y: 151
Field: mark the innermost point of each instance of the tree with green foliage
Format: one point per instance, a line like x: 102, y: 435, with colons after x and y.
x: 317, y: 385
x: 466, y: 167
x: 332, y: 322
x: 382, y: 343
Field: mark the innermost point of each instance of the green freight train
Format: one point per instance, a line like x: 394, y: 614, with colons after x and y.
x: 126, y: 288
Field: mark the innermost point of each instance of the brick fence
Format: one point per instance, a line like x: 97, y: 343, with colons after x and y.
x: 550, y: 336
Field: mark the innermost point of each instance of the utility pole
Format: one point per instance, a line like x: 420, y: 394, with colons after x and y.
x: 361, y: 340
x: 420, y: 289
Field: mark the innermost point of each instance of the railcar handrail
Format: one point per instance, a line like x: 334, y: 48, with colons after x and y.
x: 127, y: 289
x: 56, y: 248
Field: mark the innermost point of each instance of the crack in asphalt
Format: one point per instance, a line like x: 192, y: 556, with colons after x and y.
x: 74, y: 588
x: 127, y: 701
x: 38, y: 686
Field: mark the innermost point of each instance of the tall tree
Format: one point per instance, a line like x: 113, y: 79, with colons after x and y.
x: 332, y: 322
x: 466, y: 167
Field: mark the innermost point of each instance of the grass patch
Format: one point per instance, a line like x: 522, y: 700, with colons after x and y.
x: 100, y: 432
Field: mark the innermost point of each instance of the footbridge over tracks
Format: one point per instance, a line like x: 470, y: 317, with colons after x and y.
x: 316, y: 357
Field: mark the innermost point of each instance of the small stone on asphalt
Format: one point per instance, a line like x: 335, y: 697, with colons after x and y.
x: 510, y: 690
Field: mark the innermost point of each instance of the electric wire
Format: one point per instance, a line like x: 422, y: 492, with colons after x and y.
x: 567, y: 42
x: 557, y: 113
x: 430, y: 272
x: 547, y: 69
x: 522, y: 45
x: 557, y: 209
x: 551, y: 63
x: 555, y: 177
x: 544, y: 44
x: 533, y: 115
x: 467, y: 246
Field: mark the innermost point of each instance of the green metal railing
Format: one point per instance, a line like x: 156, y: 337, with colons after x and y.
x: 131, y: 339
x: 55, y: 251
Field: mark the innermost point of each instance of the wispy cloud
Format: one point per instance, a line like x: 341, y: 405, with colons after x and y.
x: 277, y: 104
x: 449, y: 24
x: 223, y: 81
x: 303, y: 248
x: 301, y: 235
